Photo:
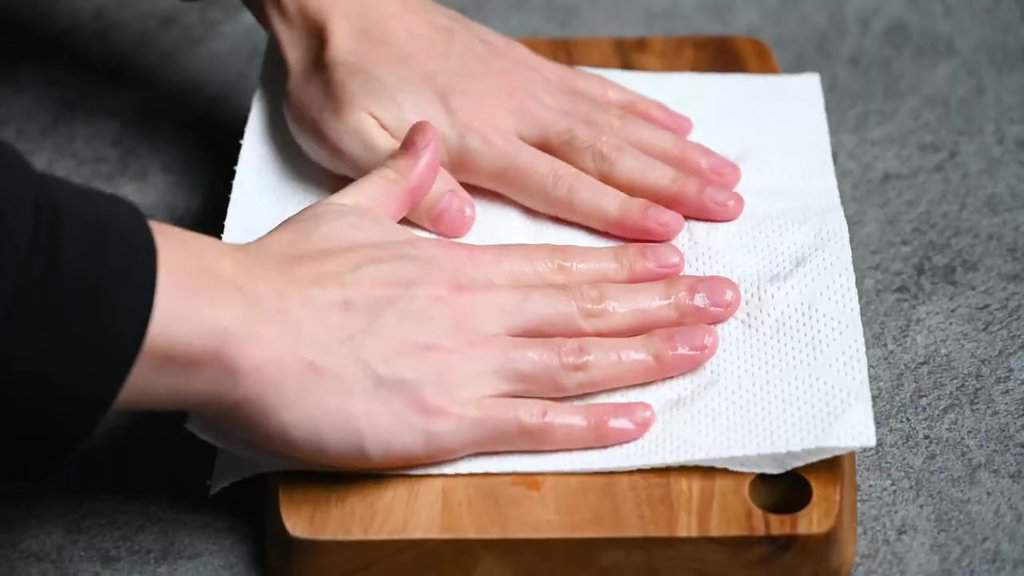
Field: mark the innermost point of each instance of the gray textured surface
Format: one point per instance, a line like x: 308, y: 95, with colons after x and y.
x: 926, y: 104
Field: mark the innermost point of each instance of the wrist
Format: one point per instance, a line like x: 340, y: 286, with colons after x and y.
x: 295, y: 26
x: 191, y: 355
x: 306, y: 30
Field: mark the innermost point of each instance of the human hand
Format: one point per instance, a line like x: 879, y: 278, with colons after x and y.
x: 555, y: 139
x: 342, y: 339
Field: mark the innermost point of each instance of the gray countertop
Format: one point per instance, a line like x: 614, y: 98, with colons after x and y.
x: 926, y: 105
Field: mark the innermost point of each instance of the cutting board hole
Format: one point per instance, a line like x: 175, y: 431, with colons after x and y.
x: 786, y: 493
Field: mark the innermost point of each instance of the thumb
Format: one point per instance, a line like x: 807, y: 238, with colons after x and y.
x: 402, y: 181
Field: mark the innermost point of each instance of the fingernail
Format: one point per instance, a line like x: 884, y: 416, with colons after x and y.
x: 664, y: 219
x: 644, y: 415
x: 683, y: 124
x: 686, y: 124
x: 417, y: 138
x: 452, y: 214
x: 716, y: 294
x: 722, y: 197
x: 722, y: 168
x: 691, y: 340
x: 663, y: 257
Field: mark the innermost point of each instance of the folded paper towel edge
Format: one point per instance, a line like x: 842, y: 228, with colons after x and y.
x: 230, y: 460
x: 767, y: 463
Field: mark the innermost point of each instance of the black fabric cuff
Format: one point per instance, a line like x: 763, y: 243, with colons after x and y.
x: 77, y: 278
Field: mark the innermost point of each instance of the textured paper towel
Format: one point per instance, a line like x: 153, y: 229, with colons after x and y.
x: 789, y: 384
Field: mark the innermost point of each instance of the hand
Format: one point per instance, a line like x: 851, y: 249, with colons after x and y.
x: 558, y: 140
x: 342, y: 339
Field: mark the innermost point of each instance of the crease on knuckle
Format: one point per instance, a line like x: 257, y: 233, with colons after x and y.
x: 565, y: 189
x: 595, y: 151
x: 680, y: 181
x: 602, y: 153
x: 559, y: 266
x: 535, y: 421
x: 575, y: 359
x: 677, y: 295
x: 608, y: 92
x: 627, y: 260
x: 615, y: 121
x: 660, y: 350
x: 590, y: 304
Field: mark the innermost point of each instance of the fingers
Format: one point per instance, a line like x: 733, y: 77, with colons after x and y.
x: 545, y: 264
x: 549, y: 185
x: 623, y: 139
x: 392, y: 189
x: 617, y: 163
x: 610, y: 93
x: 447, y: 209
x: 613, y: 159
x: 656, y: 133
x: 564, y: 367
x: 691, y: 157
x: 612, y: 309
x: 527, y: 425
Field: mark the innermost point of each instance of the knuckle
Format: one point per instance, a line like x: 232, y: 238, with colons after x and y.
x: 677, y: 295
x: 560, y: 269
x: 627, y: 260
x: 570, y: 136
x: 590, y: 303
x: 596, y: 151
x: 660, y: 349
x: 681, y: 181
x: 575, y: 359
x: 614, y: 120
x: 603, y: 151
x: 534, y: 421
x: 607, y: 91
x: 564, y: 187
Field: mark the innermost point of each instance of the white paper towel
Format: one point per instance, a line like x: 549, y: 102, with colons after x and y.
x: 789, y: 384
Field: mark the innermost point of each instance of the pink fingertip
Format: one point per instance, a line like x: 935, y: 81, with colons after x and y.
x: 690, y: 340
x: 723, y: 170
x: 683, y: 125
x: 454, y: 215
x: 419, y: 137
x: 664, y: 257
x: 722, y: 197
x: 723, y: 204
x: 717, y: 293
x: 664, y: 222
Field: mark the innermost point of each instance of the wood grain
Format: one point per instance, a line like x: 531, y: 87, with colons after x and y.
x: 672, y: 521
x: 664, y: 53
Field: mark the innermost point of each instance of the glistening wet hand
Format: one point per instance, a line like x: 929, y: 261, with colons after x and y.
x: 345, y: 340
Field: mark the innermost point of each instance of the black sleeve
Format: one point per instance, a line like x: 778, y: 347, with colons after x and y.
x: 77, y: 276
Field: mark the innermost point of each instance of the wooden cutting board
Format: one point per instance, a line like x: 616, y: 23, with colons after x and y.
x: 669, y: 521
